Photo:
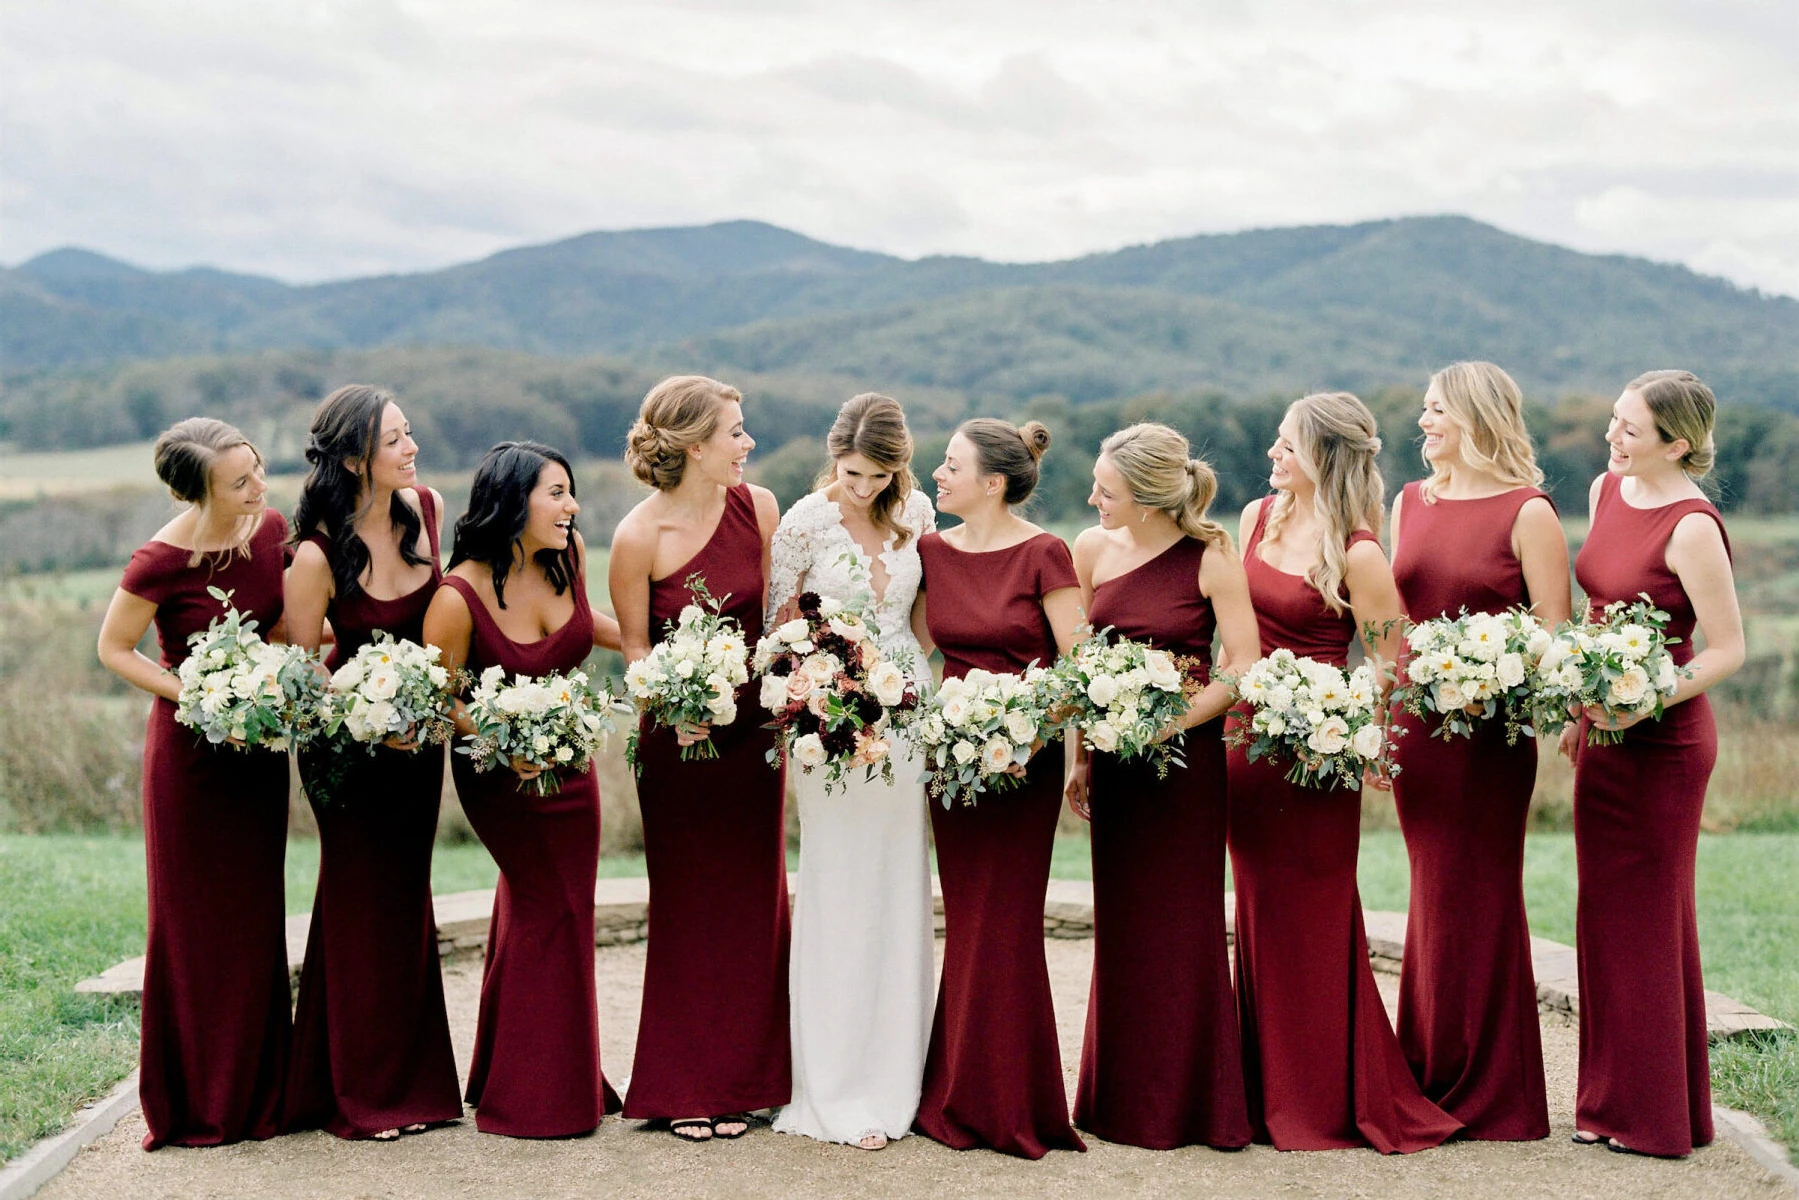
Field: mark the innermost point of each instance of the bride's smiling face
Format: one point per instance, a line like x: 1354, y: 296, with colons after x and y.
x: 859, y: 480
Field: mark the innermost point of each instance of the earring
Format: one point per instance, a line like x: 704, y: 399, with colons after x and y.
x: 1144, y: 516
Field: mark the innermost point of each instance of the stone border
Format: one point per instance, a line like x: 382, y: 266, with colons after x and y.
x: 30, y: 1171
x: 1749, y: 1133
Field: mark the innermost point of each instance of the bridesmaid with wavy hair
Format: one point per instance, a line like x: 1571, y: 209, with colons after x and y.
x: 215, y: 1028
x: 1477, y: 535
x: 1002, y: 595
x: 515, y: 597
x: 1645, y: 1076
x: 1161, y: 1066
x: 372, y: 1052
x: 1322, y: 1068
x: 712, y: 1045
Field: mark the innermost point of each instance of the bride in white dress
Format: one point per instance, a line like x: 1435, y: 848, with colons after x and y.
x: 861, y: 971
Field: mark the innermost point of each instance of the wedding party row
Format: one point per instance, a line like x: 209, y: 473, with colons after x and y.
x: 1188, y: 692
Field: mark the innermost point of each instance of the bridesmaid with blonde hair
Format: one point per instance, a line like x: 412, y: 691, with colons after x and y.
x: 1322, y: 1068
x: 1161, y: 1065
x: 1478, y: 536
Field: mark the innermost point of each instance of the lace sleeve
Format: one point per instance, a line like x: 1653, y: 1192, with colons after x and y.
x: 789, y: 557
x: 920, y: 515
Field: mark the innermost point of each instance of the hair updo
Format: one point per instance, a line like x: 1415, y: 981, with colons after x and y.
x: 1156, y: 465
x: 679, y: 413
x: 186, y: 451
x: 1002, y: 448
x: 1683, y: 407
x: 874, y: 426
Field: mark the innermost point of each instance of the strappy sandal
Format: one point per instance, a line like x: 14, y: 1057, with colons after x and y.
x: 743, y: 1119
x: 688, y: 1130
x: 874, y: 1139
x: 1595, y: 1140
x: 385, y: 1135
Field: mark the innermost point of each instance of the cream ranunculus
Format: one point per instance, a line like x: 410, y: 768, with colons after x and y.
x: 808, y: 751
x: 887, y: 683
x: 996, y: 755
x: 722, y: 696
x: 1629, y: 689
x: 1449, y: 696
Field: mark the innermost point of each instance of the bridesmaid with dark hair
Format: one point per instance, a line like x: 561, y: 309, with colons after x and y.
x: 1321, y: 1066
x: 515, y: 596
x: 712, y: 1045
x: 1477, y: 535
x: 372, y: 1050
x: 215, y: 1027
x: 1645, y: 1077
x: 1161, y: 1066
x: 1003, y: 595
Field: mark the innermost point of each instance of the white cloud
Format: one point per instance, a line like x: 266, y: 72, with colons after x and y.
x: 326, y: 138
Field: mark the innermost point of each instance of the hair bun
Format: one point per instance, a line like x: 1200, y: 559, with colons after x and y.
x: 1036, y: 437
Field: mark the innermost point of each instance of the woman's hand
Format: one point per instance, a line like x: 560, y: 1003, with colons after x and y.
x: 1377, y: 776
x: 1079, y: 802
x: 691, y: 733
x: 1568, y: 744
x: 1617, y: 722
x: 525, y: 771
x: 408, y: 741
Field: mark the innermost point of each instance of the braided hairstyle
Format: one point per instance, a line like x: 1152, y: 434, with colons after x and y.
x: 338, y: 490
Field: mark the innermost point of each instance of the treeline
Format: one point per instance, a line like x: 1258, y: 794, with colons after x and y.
x: 461, y: 401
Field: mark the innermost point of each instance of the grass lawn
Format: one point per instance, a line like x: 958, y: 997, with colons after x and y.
x: 75, y: 905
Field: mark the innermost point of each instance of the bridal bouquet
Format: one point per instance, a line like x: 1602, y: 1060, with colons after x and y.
x: 977, y: 726
x: 692, y: 674
x: 1473, y: 668
x: 1313, y: 713
x: 547, y: 721
x: 1122, y: 695
x: 390, y: 689
x: 1617, y: 661
x: 236, y: 687
x: 832, y: 691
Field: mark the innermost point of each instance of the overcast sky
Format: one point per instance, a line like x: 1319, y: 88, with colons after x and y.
x: 316, y: 139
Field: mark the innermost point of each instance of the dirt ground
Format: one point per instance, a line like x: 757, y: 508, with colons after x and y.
x: 623, y: 1159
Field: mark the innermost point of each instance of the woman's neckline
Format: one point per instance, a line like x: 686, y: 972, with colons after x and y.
x: 1156, y: 557
x: 1624, y: 500
x: 681, y: 572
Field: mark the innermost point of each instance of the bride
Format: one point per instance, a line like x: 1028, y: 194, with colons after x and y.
x: 861, y: 968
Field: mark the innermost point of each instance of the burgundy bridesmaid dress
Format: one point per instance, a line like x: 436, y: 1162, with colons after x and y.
x: 1645, y: 1077
x: 993, y: 1072
x: 536, y: 1068
x: 371, y: 1040
x: 215, y: 1027
x: 1321, y: 1066
x: 1467, y: 994
x: 1161, y: 1066
x: 713, y: 1039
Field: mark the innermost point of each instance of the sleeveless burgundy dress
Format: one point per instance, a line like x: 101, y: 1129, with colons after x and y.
x: 1467, y: 994
x: 536, y: 1068
x: 371, y: 1040
x: 1321, y: 1066
x: 993, y: 1072
x: 215, y: 1026
x: 713, y: 1038
x: 1161, y: 1066
x: 1645, y: 1077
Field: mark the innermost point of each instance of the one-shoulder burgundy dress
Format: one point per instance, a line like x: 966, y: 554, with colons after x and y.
x: 1645, y: 1076
x: 215, y: 1024
x: 713, y: 1036
x: 371, y: 1040
x: 1467, y: 994
x: 1161, y: 1066
x: 536, y: 1068
x: 993, y: 1073
x: 1321, y: 1066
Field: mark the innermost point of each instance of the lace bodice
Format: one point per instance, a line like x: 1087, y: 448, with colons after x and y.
x: 813, y: 549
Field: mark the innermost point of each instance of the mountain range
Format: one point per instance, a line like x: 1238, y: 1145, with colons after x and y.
x: 1361, y: 306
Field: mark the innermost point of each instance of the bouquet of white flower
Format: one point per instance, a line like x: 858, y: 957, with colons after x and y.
x: 239, y: 689
x: 390, y: 689
x: 692, y: 674
x: 1473, y: 668
x: 547, y: 721
x: 832, y: 691
x: 1122, y: 695
x: 976, y: 727
x: 1314, y: 714
x: 1617, y: 661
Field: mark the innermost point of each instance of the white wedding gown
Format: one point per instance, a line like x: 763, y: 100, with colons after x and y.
x: 861, y: 975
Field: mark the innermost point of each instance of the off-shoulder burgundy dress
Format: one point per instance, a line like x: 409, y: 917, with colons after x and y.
x: 371, y: 1041
x: 1321, y: 1066
x: 1467, y: 994
x: 1645, y: 1076
x: 1161, y: 1066
x: 713, y: 1038
x: 993, y: 1073
x: 536, y: 1068
x: 214, y: 1046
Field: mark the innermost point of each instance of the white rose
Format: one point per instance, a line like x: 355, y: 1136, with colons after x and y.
x: 933, y: 729
x: 382, y: 682
x: 379, y: 715
x: 1629, y: 689
x: 808, y: 751
x: 1103, y: 736
x: 792, y: 631
x: 956, y: 710
x: 493, y: 677
x: 774, y: 692
x: 1020, y: 726
x: 1667, y: 678
x: 722, y: 696
x: 1331, y: 736
x: 964, y: 751
x: 564, y: 754
x: 887, y: 683
x: 246, y: 684
x: 996, y: 755
x: 437, y: 675
x: 1160, y: 671
x: 1368, y: 742
x: 347, y: 676
x: 541, y: 743
x: 1568, y: 677
x: 1510, y: 670
x: 685, y: 668
x: 1539, y: 643
x: 1448, y: 696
